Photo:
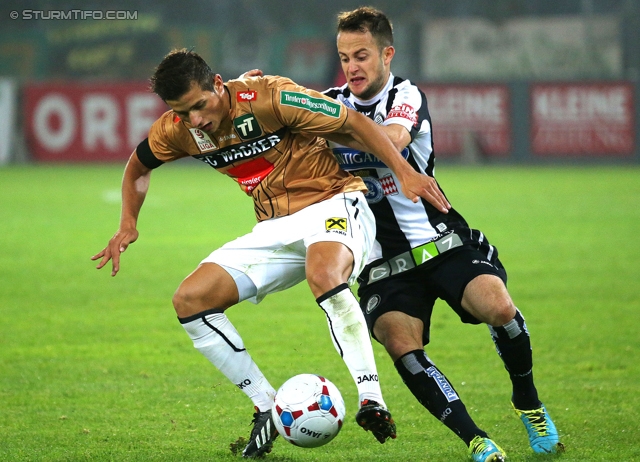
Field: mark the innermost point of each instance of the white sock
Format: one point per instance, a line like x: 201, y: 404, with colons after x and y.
x: 351, y: 339
x: 216, y: 338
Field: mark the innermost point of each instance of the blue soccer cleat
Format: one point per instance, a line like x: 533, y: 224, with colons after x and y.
x: 485, y: 450
x: 543, y: 436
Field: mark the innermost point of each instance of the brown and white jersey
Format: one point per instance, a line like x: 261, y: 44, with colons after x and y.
x: 269, y: 145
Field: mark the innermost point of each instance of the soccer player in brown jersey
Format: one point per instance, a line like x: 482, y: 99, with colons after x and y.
x: 313, y: 220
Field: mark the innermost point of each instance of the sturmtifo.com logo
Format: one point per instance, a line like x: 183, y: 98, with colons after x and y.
x: 70, y: 15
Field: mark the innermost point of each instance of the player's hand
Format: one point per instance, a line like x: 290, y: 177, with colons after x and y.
x: 118, y: 244
x: 252, y: 73
x: 418, y: 186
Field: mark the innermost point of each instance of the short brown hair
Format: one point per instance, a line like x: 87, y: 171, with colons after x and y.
x: 369, y: 19
x: 176, y: 73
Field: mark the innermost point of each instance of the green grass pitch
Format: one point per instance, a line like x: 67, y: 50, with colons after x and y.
x: 94, y: 368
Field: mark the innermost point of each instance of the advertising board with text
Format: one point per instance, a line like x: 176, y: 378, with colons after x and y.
x: 88, y: 122
x: 569, y: 119
x: 480, y: 112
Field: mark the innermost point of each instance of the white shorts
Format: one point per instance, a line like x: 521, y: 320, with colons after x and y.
x: 273, y: 254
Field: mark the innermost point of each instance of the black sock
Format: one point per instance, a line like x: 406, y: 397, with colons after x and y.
x: 436, y: 394
x: 514, y: 347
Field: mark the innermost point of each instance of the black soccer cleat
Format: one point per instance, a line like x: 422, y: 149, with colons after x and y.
x: 262, y: 436
x: 376, y: 419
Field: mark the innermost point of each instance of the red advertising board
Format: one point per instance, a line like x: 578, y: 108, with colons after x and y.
x: 479, y: 111
x: 582, y: 119
x: 88, y: 122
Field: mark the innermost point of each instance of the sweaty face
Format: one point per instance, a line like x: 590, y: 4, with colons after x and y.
x: 203, y: 109
x: 365, y: 66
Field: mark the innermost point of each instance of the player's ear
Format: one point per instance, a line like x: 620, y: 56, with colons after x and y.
x: 387, y: 54
x: 218, y: 84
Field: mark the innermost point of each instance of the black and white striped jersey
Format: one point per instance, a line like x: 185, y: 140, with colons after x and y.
x: 401, y: 224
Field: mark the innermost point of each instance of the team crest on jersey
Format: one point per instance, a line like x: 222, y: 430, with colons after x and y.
x: 246, y: 95
x: 404, y: 111
x: 247, y: 127
x: 377, y: 188
x: 336, y: 225
x: 202, y: 140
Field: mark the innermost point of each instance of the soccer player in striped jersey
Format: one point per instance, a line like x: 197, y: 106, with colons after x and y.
x: 421, y: 254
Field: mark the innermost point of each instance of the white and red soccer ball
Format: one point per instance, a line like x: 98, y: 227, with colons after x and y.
x: 308, y: 410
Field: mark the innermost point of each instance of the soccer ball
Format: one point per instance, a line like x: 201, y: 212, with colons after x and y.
x: 308, y: 410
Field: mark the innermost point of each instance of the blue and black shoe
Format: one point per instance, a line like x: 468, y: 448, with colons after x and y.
x: 543, y: 436
x: 485, y: 450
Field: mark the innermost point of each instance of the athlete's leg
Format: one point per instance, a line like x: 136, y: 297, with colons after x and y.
x: 200, y: 302
x: 328, y: 267
x: 334, y: 258
x: 488, y: 300
x: 402, y: 337
x: 486, y: 297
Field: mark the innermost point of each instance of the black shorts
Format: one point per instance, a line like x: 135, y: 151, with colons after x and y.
x: 416, y: 291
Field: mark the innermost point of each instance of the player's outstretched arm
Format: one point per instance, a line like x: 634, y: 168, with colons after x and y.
x: 366, y: 133
x: 135, y: 184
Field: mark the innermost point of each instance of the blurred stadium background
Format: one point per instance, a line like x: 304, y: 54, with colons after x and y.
x: 522, y: 81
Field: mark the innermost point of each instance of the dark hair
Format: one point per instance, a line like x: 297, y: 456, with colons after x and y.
x: 178, y: 70
x: 369, y: 19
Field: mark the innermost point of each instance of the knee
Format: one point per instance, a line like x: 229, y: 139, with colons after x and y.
x: 487, y: 299
x: 184, y: 300
x: 322, y: 280
x: 398, y: 337
x: 397, y: 347
x: 503, y: 310
x: 208, y: 287
x: 190, y: 299
x: 328, y: 264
